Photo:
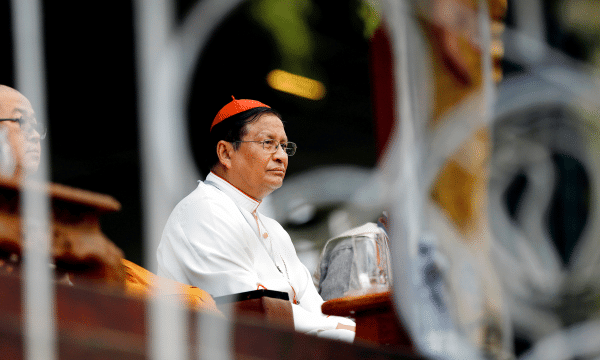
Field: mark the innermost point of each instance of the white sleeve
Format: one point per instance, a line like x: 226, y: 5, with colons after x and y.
x: 308, y: 316
x: 307, y: 321
x: 206, y: 246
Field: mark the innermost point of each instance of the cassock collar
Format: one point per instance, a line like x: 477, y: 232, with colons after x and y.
x: 238, y: 196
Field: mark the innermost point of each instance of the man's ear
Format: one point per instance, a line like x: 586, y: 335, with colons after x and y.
x: 224, y: 152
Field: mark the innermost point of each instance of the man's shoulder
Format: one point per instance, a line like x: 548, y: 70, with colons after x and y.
x: 203, y: 194
x: 205, y: 197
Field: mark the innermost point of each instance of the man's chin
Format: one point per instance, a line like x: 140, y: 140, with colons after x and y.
x: 31, y: 167
x: 276, y: 183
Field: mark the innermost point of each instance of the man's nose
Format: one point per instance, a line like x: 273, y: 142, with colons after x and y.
x: 280, y: 153
x: 33, y: 135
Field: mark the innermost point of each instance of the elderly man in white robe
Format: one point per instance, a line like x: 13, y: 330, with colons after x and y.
x: 217, y: 239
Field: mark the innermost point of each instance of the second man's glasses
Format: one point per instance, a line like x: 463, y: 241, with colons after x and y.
x: 29, y: 126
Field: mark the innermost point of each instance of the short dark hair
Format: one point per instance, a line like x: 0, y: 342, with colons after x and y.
x: 234, y: 128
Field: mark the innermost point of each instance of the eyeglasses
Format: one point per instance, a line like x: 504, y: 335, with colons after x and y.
x: 29, y: 126
x: 271, y: 146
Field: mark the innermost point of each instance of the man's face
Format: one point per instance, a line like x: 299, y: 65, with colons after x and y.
x: 254, y: 170
x: 24, y: 142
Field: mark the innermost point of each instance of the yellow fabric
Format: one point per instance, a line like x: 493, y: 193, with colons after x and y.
x: 140, y: 282
x: 460, y: 189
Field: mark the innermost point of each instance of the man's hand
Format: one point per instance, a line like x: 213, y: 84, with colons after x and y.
x: 346, y: 327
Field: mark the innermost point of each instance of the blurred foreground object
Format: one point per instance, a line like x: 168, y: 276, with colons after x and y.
x: 78, y: 246
x: 544, y: 201
x: 445, y: 57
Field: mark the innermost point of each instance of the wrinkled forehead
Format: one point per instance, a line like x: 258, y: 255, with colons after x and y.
x: 14, y: 105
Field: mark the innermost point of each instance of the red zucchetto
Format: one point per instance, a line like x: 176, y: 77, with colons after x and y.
x: 236, y: 107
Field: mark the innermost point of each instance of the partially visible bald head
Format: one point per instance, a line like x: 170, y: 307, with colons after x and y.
x: 6, y: 89
x: 7, y: 94
x: 23, y: 141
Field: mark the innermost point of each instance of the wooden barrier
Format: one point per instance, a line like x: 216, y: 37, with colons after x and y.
x: 97, y: 323
x: 376, y: 320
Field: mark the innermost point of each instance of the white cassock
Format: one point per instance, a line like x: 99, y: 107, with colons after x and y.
x: 216, y: 239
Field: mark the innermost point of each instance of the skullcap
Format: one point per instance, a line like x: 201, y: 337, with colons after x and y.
x: 236, y: 107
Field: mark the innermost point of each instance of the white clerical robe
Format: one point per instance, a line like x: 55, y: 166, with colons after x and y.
x: 217, y: 239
